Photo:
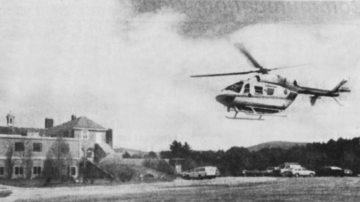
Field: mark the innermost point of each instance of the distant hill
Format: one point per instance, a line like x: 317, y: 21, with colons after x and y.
x: 276, y: 144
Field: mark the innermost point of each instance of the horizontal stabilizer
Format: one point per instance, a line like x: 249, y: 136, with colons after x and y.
x: 337, y: 88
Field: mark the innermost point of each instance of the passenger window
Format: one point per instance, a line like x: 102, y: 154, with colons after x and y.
x: 258, y: 90
x: 270, y: 91
x: 247, y: 88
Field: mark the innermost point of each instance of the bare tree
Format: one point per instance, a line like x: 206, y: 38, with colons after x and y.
x: 25, y: 156
x: 58, y: 159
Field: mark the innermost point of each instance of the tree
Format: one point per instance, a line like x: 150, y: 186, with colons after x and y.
x: 236, y: 159
x: 178, y: 150
x: 175, y: 149
x: 151, y: 155
x: 9, y: 162
x: 165, y: 154
x: 58, y: 159
x: 126, y: 155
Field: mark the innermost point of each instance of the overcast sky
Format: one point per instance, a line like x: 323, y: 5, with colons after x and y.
x: 126, y: 65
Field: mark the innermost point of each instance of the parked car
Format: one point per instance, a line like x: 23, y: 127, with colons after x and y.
x: 269, y: 171
x: 330, y: 171
x: 247, y: 173
x: 297, y: 172
x: 284, y: 169
x: 348, y: 172
x: 206, y: 172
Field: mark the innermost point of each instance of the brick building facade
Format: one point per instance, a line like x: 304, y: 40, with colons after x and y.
x: 30, y: 146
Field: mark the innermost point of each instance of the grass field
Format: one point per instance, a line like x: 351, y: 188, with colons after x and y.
x: 280, y: 189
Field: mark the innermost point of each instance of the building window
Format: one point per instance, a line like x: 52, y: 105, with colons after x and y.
x: 37, y: 147
x: 73, y: 171
x: 1, y: 170
x: 270, y: 91
x: 19, y: 170
x: 37, y: 170
x: 66, y: 134
x: 258, y: 90
x: 85, y: 134
x: 19, y: 146
x: 72, y: 134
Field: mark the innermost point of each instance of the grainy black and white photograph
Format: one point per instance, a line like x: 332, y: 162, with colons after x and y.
x: 179, y: 100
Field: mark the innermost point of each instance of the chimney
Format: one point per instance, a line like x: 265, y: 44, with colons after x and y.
x: 49, y: 123
x: 73, y: 117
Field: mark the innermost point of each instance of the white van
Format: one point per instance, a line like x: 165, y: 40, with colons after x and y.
x: 287, y: 167
x: 206, y: 172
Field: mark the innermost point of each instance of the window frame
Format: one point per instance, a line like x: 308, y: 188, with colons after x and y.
x: 247, y: 88
x: 65, y: 134
x: 2, y: 170
x: 73, y: 169
x: 270, y: 91
x: 85, y: 134
x: 72, y: 134
x: 37, y: 143
x: 258, y: 90
x: 17, y: 147
x: 19, y: 170
x: 37, y: 170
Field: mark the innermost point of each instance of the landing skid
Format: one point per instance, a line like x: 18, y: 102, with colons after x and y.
x: 252, y: 113
x: 243, y: 118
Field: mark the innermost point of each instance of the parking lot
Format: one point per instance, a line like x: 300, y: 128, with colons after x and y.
x: 220, y: 189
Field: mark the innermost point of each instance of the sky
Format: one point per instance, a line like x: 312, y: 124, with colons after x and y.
x: 127, y: 64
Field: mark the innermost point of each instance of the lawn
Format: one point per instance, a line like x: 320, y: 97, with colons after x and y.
x: 283, y: 189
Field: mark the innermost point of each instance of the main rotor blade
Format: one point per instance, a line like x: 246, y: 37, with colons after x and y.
x: 249, y: 57
x: 224, y: 74
x: 286, y: 67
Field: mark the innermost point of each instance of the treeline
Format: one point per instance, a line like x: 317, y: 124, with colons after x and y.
x: 344, y: 153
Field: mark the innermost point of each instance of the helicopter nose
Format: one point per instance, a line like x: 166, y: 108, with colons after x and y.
x: 225, y: 99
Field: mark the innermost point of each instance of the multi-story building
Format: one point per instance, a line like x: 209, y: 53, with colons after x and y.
x: 27, y: 148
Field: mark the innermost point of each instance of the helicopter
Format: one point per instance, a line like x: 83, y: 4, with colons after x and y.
x: 266, y: 94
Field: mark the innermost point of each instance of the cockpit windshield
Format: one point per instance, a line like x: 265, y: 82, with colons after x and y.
x: 235, y: 87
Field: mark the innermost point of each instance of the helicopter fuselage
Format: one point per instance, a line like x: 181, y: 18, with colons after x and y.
x: 257, y: 97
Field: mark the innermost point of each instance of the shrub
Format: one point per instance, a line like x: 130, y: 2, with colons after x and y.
x: 119, y: 171
x: 125, y: 173
x: 159, y: 165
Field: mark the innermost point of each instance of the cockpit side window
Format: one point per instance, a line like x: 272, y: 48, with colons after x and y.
x: 236, y: 87
x: 247, y: 88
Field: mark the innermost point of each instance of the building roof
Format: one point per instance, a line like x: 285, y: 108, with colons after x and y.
x: 9, y: 130
x: 79, y: 123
